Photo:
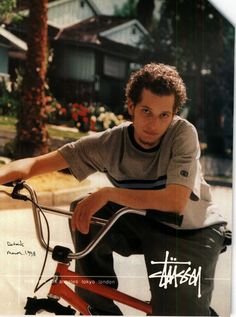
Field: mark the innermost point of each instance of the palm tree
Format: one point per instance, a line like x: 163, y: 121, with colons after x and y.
x: 32, y: 136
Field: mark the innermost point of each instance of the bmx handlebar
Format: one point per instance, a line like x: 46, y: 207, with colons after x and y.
x: 36, y: 207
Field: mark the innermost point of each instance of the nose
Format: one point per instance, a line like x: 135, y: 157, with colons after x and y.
x: 153, y: 124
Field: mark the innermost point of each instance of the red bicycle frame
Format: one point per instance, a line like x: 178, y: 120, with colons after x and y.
x: 60, y: 289
x: 63, y: 275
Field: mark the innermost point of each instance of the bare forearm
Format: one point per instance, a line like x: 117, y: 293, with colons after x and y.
x: 28, y: 167
x: 171, y: 199
x: 15, y: 170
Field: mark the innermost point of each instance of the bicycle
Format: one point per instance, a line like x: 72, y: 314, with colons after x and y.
x: 58, y: 289
x: 64, y: 256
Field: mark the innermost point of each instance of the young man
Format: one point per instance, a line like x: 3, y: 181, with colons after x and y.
x: 153, y: 163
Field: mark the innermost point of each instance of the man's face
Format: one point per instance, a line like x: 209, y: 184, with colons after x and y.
x: 151, y: 117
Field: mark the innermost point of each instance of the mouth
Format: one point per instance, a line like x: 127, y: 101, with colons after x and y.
x: 151, y: 133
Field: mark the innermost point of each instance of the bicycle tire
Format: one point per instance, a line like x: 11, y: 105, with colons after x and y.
x: 34, y: 305
x: 29, y: 312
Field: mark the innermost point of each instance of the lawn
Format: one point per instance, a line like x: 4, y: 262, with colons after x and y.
x: 9, y: 124
x: 51, y: 181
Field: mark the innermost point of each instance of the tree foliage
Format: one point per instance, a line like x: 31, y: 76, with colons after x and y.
x: 139, y: 9
x: 194, y: 36
x: 8, y: 11
x: 127, y: 10
x: 6, y: 7
x: 144, y: 11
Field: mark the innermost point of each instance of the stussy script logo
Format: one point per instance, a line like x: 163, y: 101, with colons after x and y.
x: 170, y: 273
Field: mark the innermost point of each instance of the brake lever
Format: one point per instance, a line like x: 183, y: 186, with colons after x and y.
x: 15, y: 193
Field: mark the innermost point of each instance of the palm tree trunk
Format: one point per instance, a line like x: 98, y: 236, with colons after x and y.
x: 32, y: 136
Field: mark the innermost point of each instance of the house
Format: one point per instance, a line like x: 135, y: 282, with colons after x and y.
x: 11, y: 48
x: 93, y: 59
x: 64, y: 13
x: 93, y: 53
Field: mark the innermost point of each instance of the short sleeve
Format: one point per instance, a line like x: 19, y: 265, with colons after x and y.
x: 83, y: 156
x: 184, y: 167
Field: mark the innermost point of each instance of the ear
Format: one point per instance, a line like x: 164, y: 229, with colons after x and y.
x: 176, y: 111
x: 130, y: 107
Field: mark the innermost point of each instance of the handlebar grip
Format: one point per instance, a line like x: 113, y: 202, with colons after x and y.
x: 169, y: 217
x: 10, y: 184
x: 60, y: 254
x: 17, y: 187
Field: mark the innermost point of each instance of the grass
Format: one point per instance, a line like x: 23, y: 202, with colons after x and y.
x: 55, y: 181
x: 9, y: 124
x: 51, y: 181
x: 55, y: 133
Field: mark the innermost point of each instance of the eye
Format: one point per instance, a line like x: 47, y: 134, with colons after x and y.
x: 164, y: 115
x: 146, y: 111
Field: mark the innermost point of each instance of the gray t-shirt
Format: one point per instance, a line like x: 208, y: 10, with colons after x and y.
x: 174, y: 161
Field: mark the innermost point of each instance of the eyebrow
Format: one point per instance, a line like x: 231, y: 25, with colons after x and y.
x: 164, y: 111
x: 169, y: 112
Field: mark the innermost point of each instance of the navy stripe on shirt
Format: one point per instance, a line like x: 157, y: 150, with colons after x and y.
x: 169, y: 217
x: 159, y: 183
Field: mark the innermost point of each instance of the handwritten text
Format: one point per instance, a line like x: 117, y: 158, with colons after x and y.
x: 18, y: 248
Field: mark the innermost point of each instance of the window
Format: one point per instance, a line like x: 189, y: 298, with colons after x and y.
x: 114, y: 67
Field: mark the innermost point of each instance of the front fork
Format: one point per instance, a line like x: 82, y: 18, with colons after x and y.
x: 58, y: 290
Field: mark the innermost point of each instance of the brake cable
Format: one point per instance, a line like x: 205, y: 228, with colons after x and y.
x: 16, y: 195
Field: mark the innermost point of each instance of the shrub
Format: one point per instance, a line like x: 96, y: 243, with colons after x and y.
x: 94, y: 117
x: 55, y: 112
x: 86, y: 117
x: 9, y: 98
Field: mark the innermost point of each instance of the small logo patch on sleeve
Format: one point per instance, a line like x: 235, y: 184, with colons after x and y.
x: 184, y: 173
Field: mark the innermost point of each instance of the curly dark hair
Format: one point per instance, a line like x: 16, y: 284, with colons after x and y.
x: 160, y: 79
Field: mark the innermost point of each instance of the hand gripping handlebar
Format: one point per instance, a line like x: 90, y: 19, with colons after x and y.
x: 105, y: 224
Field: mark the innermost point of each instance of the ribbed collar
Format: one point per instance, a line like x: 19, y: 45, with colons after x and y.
x: 139, y: 147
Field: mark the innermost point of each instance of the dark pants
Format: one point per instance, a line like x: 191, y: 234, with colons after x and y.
x: 188, y: 290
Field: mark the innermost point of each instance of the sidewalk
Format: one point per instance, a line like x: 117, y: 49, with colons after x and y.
x: 56, y: 198
x: 67, y: 195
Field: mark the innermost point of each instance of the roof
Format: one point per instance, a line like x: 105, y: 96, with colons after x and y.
x: 93, y: 32
x: 24, y: 4
x: 89, y: 33
x: 88, y: 30
x: 63, y: 13
x: 99, y: 6
x: 12, y: 39
x: 19, y: 29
